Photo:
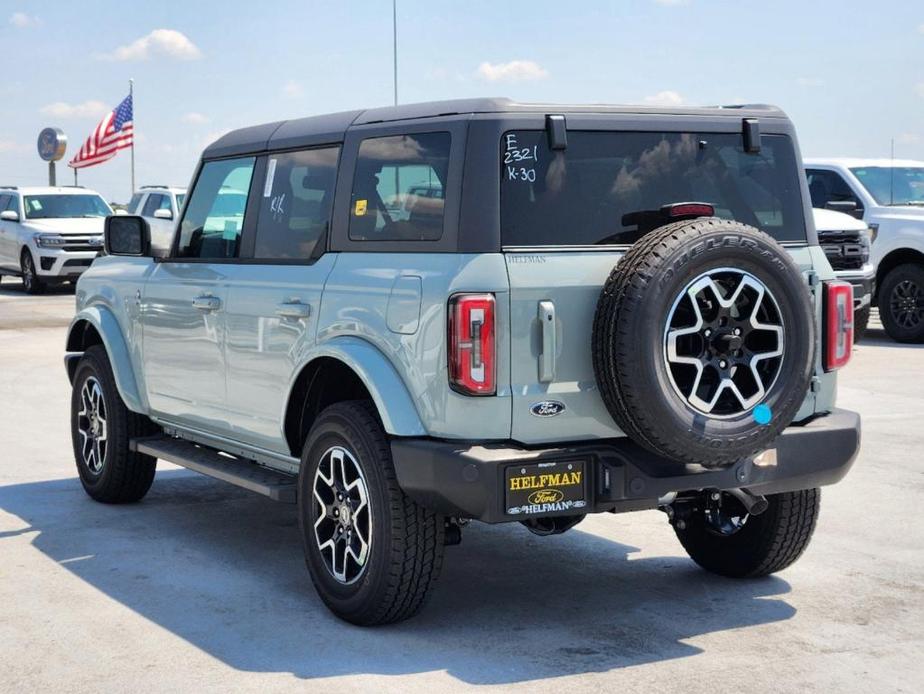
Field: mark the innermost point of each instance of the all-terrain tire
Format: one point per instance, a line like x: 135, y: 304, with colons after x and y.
x: 903, y: 283
x: 764, y: 545
x: 406, y: 547
x: 629, y: 331
x: 123, y: 475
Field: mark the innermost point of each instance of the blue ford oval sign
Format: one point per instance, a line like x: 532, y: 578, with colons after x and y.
x: 547, y: 408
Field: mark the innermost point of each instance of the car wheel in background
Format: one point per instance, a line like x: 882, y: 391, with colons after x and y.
x: 101, y: 428
x: 31, y: 283
x: 728, y: 541
x: 372, y: 552
x: 901, y: 303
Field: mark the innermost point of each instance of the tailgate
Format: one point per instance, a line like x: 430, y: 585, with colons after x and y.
x: 567, y: 284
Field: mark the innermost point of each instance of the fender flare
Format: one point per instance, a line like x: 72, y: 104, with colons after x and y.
x: 107, y: 326
x: 391, y: 397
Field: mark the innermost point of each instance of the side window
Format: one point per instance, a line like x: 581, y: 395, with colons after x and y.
x: 154, y: 202
x: 214, y: 217
x: 829, y: 186
x: 4, y: 203
x: 295, y: 208
x: 398, y: 188
x: 133, y: 204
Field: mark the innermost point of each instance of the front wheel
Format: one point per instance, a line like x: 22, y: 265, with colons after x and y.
x: 101, y: 428
x: 901, y: 303
x: 372, y: 552
x: 31, y: 283
x: 725, y: 540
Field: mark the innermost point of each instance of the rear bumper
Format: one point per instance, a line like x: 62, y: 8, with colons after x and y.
x: 468, y: 481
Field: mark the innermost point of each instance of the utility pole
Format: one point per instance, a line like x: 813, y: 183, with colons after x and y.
x: 394, y: 27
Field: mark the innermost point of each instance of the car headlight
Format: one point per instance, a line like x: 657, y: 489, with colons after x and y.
x: 49, y: 240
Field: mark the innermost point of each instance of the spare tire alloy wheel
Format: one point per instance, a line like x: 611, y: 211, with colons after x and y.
x: 343, y: 517
x: 724, y: 342
x: 704, y: 341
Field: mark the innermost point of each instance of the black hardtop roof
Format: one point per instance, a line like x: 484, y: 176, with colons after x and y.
x: 328, y: 128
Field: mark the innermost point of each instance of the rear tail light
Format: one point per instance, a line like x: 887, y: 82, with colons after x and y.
x: 838, y: 317
x: 472, y: 355
x: 688, y: 209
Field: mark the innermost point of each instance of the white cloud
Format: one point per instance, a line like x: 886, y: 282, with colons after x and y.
x: 160, y: 42
x: 87, y: 109
x: 194, y: 118
x: 514, y: 71
x: 21, y: 20
x: 292, y: 89
x: 809, y: 82
x: 665, y: 98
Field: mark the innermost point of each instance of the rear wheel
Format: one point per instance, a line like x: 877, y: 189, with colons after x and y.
x: 372, y: 552
x: 729, y: 542
x: 901, y: 303
x: 101, y: 428
x: 31, y: 283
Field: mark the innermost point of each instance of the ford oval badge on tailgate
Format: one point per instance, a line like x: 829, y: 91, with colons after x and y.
x: 547, y: 408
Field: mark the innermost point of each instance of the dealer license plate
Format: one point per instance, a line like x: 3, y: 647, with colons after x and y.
x: 557, y: 487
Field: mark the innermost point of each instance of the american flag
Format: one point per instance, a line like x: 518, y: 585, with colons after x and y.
x: 113, y: 133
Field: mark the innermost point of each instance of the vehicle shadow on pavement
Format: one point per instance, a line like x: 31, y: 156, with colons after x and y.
x: 223, y: 569
x: 879, y: 338
x: 13, y: 288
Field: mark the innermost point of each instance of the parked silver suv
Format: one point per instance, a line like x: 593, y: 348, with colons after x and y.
x: 419, y: 316
x: 48, y: 235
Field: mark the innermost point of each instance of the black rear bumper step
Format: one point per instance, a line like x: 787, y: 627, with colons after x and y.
x: 466, y: 480
x: 239, y: 472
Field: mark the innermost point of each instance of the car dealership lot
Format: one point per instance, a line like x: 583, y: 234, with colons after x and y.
x: 203, y: 585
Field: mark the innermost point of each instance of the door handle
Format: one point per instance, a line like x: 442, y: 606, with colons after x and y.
x: 293, y: 309
x: 207, y: 303
x: 548, y: 343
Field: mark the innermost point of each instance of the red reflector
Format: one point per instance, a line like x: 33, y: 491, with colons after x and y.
x: 471, y: 344
x: 690, y: 209
x: 838, y: 315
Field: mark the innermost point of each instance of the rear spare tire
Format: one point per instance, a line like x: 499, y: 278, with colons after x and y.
x: 704, y: 341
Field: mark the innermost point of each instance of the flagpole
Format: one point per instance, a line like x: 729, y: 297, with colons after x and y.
x: 131, y: 88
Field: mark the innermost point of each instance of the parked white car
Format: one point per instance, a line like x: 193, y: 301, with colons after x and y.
x: 49, y: 235
x: 889, y: 196
x: 161, y: 206
x: 846, y: 242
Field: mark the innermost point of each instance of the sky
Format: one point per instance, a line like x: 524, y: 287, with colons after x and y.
x: 850, y: 74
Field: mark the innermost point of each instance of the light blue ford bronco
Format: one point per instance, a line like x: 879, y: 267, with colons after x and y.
x: 405, y: 319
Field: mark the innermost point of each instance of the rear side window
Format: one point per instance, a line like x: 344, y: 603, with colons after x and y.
x: 295, y: 208
x: 214, y: 217
x: 398, y: 188
x: 591, y: 192
x: 155, y: 202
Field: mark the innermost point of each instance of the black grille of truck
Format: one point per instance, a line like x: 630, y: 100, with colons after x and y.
x: 846, y: 250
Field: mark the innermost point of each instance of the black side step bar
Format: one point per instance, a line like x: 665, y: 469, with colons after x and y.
x: 238, y: 471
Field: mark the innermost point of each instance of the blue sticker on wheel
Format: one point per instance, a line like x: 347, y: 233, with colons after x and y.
x: 762, y: 414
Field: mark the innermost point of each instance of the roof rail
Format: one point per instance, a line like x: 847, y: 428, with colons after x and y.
x: 72, y: 186
x: 10, y: 187
x: 152, y: 186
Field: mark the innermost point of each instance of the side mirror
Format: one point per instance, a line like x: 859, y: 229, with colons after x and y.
x: 9, y: 216
x: 127, y: 235
x: 845, y: 206
x: 163, y: 214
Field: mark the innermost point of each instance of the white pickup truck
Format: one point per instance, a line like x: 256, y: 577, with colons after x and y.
x: 888, y: 195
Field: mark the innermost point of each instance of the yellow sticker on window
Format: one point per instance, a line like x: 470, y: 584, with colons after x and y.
x: 360, y: 208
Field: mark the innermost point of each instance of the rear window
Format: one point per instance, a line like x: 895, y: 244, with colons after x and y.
x: 591, y: 192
